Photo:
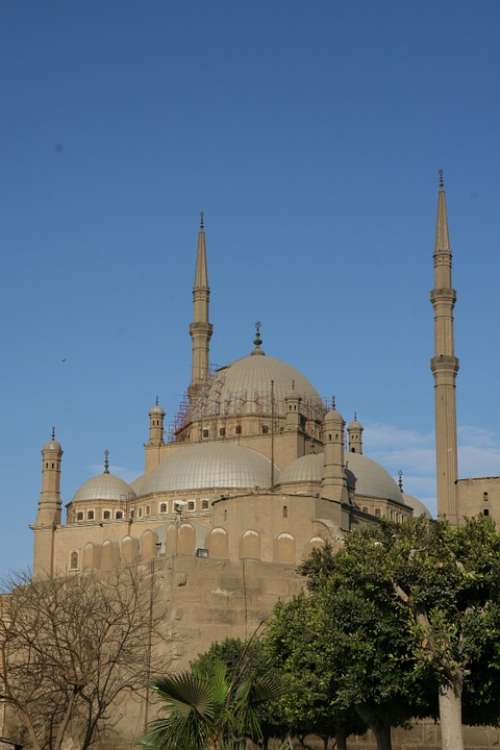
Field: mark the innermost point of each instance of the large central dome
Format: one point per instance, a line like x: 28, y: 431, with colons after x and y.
x: 244, y: 387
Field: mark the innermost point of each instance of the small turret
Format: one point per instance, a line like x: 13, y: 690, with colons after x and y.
x: 334, y: 482
x: 156, y: 425
x: 294, y: 417
x: 49, y: 506
x: 355, y: 432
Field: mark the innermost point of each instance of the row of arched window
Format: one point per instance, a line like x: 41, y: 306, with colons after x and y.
x: 140, y: 512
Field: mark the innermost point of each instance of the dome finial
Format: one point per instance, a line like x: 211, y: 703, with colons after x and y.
x: 400, y: 480
x: 355, y: 416
x: 334, y: 403
x: 441, y: 179
x: 106, y: 461
x: 157, y: 400
x: 53, y: 433
x: 257, y: 342
x: 202, y: 220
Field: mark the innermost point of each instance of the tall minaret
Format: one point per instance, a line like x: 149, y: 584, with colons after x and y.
x: 200, y: 329
x: 444, y: 366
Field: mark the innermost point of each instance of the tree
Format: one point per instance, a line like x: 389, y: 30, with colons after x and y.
x: 365, y: 636
x: 210, y: 707
x: 449, y: 578
x: 71, y: 647
x: 233, y: 652
x: 308, y: 703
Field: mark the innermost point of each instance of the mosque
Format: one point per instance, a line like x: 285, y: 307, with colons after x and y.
x: 256, y: 472
x: 257, y: 466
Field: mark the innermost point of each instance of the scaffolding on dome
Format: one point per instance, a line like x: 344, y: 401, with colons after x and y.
x: 212, y: 401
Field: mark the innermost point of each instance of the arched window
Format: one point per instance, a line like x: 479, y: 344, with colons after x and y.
x: 163, y: 507
x: 191, y: 505
x: 204, y: 504
x: 486, y: 512
x: 106, y: 515
x: 79, y: 515
x: 73, y: 560
x: 377, y: 512
x: 90, y: 515
x: 148, y: 510
x: 119, y: 515
x: 237, y: 429
x: 285, y: 511
x: 485, y: 496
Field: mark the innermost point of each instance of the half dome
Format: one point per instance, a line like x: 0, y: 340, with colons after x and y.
x: 104, y: 487
x: 367, y: 476
x: 208, y: 466
x: 418, y: 507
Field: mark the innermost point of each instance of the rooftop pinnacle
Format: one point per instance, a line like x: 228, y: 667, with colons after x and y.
x: 442, y: 244
x: 201, y: 270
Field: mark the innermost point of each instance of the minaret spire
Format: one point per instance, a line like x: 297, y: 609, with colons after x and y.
x: 200, y: 329
x: 444, y: 366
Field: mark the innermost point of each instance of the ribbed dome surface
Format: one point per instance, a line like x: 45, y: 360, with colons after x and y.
x: 207, y: 466
x: 419, y: 509
x: 104, y: 487
x: 370, y: 478
x: 246, y: 385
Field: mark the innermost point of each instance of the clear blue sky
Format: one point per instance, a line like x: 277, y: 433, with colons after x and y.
x: 311, y: 134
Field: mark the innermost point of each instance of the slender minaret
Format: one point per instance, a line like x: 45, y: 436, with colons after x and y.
x: 444, y: 366
x: 200, y: 329
x: 355, y: 432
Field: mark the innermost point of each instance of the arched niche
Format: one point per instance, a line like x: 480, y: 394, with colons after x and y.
x: 148, y: 545
x: 285, y: 548
x: 90, y: 556
x: 314, y: 543
x: 250, y: 545
x: 218, y: 544
x: 129, y: 549
x: 186, y: 539
x: 171, y: 541
x: 109, y: 555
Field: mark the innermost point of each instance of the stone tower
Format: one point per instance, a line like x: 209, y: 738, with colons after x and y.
x: 444, y: 366
x: 200, y: 329
x: 156, y: 425
x: 334, y: 483
x: 48, y: 517
x: 355, y: 432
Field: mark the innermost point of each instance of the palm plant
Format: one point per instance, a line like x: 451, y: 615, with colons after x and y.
x: 210, y: 710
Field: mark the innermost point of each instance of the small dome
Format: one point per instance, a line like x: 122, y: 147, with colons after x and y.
x: 52, y: 445
x: 368, y: 477
x: 209, y: 466
x: 334, y: 416
x: 305, y: 469
x: 104, y: 487
x: 418, y: 507
x: 248, y: 382
x: 354, y: 425
x: 157, y: 409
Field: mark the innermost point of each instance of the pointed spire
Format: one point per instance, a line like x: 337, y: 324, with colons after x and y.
x: 400, y: 480
x: 157, y: 400
x: 257, y: 342
x: 53, y: 433
x: 201, y: 271
x: 106, y: 461
x: 442, y: 244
